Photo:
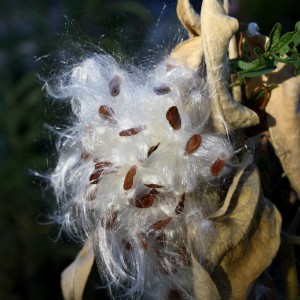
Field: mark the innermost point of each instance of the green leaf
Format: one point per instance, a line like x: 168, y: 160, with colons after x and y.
x: 258, y: 72
x: 283, y: 46
x: 274, y: 36
x: 248, y: 65
x: 288, y: 60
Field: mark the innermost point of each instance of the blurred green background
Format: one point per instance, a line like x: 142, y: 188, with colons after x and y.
x: 31, y: 257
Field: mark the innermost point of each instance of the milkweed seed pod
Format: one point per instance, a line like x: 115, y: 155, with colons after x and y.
x: 150, y: 176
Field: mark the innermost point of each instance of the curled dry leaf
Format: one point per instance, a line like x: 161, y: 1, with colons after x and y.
x: 189, y: 52
x: 247, y: 261
x: 204, y: 286
x: 217, y: 30
x: 283, y: 106
x: 74, y: 277
x: 225, y: 253
x: 188, y: 17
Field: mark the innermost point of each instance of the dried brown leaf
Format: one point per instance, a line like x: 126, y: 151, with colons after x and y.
x: 188, y: 17
x: 74, y: 277
x: 283, y: 106
x: 189, y: 52
x: 217, y: 30
x: 204, y: 286
x: 244, y: 263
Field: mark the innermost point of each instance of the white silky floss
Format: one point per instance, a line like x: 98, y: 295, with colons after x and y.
x: 134, y: 169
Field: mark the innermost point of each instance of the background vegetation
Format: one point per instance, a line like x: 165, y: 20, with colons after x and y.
x: 31, y: 258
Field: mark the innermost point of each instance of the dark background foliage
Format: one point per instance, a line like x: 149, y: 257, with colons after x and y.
x: 34, y: 36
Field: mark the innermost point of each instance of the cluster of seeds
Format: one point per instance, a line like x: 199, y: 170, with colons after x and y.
x: 139, y: 154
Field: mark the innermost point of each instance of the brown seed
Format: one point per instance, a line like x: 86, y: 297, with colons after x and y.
x: 169, y: 67
x: 217, y: 167
x: 130, y: 131
x: 128, y: 181
x: 115, y: 86
x: 154, y: 192
x: 173, y: 117
x: 106, y: 112
x: 90, y: 193
x: 193, y: 144
x: 144, y: 202
x: 102, y: 164
x: 184, y: 256
x: 143, y: 241
x: 109, y: 221
x: 127, y: 245
x: 180, y: 206
x: 174, y: 295
x: 161, y: 224
x: 152, y: 149
x: 162, y: 90
x: 161, y: 239
x: 153, y: 186
x: 99, y: 169
x: 84, y: 155
x: 95, y: 176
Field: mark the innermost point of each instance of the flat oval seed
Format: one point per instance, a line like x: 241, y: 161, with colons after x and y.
x: 106, y: 112
x: 174, y: 295
x: 143, y: 241
x: 90, y: 192
x: 130, y: 131
x: 109, y: 221
x: 102, y: 164
x: 127, y: 245
x: 128, y: 181
x: 217, y: 167
x: 95, y: 176
x: 144, y: 202
x: 180, y: 206
x: 115, y: 86
x: 152, y: 149
x: 193, y: 144
x: 161, y: 224
x: 154, y: 192
x: 153, y: 186
x: 162, y: 90
x: 184, y: 256
x: 84, y: 155
x: 173, y: 117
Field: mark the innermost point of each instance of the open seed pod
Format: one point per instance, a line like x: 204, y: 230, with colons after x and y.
x: 172, y: 208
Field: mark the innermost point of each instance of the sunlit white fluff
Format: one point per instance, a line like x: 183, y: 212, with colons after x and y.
x: 138, y: 222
